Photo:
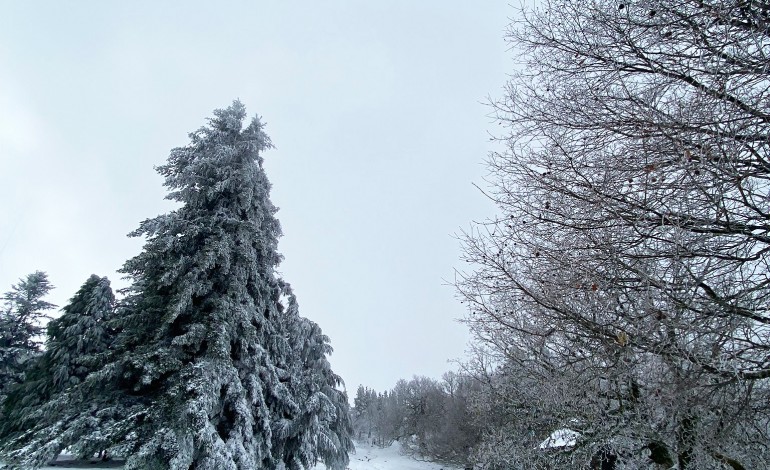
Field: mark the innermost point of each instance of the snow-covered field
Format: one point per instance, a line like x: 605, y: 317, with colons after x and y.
x: 367, y: 457
x: 373, y: 458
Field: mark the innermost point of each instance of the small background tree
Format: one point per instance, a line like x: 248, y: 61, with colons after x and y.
x: 21, y: 327
x: 78, y: 343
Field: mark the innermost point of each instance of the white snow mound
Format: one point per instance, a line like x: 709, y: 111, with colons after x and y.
x: 560, y: 438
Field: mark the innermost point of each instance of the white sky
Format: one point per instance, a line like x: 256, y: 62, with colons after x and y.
x: 376, y: 111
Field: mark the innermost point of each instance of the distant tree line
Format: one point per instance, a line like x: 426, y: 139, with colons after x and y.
x: 203, y: 362
x: 431, y: 419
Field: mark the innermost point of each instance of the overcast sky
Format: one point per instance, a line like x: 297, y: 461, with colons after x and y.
x: 375, y: 108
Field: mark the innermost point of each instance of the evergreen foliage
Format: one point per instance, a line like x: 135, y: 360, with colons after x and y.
x: 209, y: 368
x: 77, y: 344
x: 320, y: 427
x: 81, y: 336
x: 21, y: 327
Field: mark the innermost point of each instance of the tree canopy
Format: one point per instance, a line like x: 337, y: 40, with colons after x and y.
x: 626, y: 275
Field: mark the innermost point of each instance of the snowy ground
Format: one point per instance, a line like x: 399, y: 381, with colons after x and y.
x: 390, y: 458
x: 366, y: 458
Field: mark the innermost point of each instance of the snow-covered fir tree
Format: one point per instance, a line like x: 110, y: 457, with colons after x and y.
x: 207, y: 371
x: 320, y: 428
x: 81, y: 335
x: 21, y: 327
x: 77, y: 344
x: 205, y: 342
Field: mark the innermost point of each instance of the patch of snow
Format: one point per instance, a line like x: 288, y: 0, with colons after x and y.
x: 560, y: 438
x: 368, y: 457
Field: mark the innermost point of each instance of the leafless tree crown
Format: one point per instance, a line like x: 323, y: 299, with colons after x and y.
x: 626, y: 277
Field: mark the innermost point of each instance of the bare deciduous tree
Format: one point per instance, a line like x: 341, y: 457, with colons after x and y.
x: 626, y: 276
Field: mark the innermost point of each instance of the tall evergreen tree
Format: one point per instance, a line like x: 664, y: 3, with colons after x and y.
x: 21, y: 327
x: 204, y: 367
